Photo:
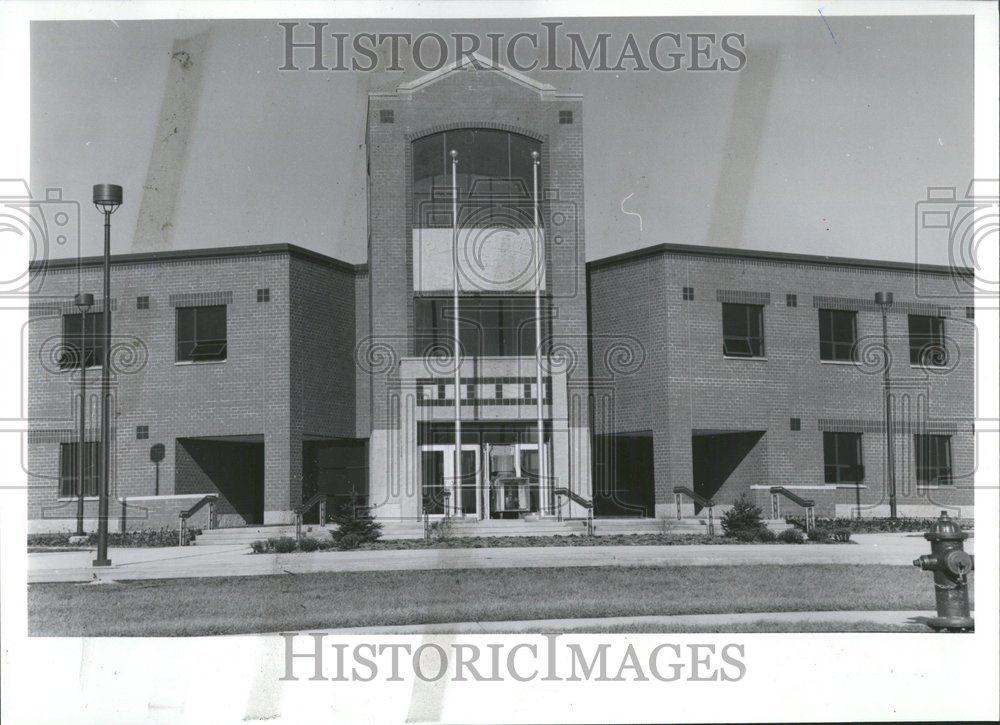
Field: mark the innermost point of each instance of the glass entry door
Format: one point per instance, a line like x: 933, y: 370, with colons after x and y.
x: 441, y: 493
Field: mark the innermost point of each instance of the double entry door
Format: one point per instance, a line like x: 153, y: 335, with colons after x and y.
x: 470, y: 496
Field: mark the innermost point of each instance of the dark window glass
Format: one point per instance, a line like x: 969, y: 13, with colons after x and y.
x: 791, y: 300
x: 927, y: 346
x: 69, y: 468
x: 432, y: 489
x: 493, y: 179
x: 264, y: 294
x: 842, y: 458
x: 742, y: 330
x: 142, y: 432
x: 565, y: 117
x: 838, y: 334
x: 142, y: 302
x: 933, y: 454
x: 488, y: 326
x: 795, y: 423
x: 82, y: 335
x: 386, y: 115
x: 688, y: 294
x: 201, y: 333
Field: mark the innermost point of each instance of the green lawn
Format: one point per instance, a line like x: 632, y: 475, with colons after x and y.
x: 233, y: 605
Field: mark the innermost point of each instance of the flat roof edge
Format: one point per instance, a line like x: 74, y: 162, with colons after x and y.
x: 709, y: 251
x: 251, y: 250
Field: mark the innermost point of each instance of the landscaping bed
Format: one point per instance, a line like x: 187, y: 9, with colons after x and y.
x: 878, y: 525
x: 145, y: 538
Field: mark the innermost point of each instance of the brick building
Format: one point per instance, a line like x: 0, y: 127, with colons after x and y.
x: 273, y: 376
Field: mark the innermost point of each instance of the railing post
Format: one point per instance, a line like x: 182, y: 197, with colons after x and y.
x: 677, y: 503
x: 322, y: 512
x: 212, y: 523
x: 182, y: 532
x: 711, y: 520
x: 775, y: 506
x: 810, y: 518
x: 590, y: 521
x: 298, y: 526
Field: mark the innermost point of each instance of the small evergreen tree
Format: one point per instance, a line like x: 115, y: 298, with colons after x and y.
x: 355, y: 526
x: 743, y: 519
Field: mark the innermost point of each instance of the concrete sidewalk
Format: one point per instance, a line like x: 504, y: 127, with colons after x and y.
x: 216, y: 561
x: 663, y: 622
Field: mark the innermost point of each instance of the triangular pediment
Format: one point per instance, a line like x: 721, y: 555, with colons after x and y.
x: 478, y: 62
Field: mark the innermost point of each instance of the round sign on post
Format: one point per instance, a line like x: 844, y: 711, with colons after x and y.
x: 157, y: 453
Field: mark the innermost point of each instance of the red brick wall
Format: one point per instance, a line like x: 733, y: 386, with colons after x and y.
x: 684, y: 383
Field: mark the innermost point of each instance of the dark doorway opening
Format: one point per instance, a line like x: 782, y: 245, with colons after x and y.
x: 623, y: 477
x: 337, y: 467
x: 232, y: 467
x: 725, y: 463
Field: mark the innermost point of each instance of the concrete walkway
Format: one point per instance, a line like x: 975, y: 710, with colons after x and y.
x: 662, y: 622
x: 235, y: 560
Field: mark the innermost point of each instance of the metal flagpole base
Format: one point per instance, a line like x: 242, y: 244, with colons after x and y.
x: 102, y: 562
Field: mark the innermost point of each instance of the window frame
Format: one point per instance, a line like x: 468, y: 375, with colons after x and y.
x: 189, y: 358
x: 511, y: 334
x: 488, y: 197
x: 750, y: 312
x: 832, y: 340
x: 926, y: 348
x: 70, y: 358
x: 842, y: 471
x: 922, y: 455
x: 69, y: 469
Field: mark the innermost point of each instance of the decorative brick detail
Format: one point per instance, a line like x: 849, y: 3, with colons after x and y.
x: 868, y: 305
x: 59, y: 308
x: 494, y: 125
x: 201, y: 299
x: 743, y: 297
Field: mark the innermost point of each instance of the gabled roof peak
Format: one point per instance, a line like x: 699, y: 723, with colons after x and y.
x: 480, y: 62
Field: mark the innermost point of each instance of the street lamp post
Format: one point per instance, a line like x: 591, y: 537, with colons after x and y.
x: 107, y: 199
x: 884, y: 302
x: 83, y: 301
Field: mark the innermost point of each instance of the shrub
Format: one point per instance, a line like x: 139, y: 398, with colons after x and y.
x: 819, y: 534
x: 349, y: 541
x: 259, y: 547
x: 766, y: 536
x: 743, y: 521
x: 440, y: 530
x: 842, y: 535
x: 283, y: 544
x: 357, y: 523
x: 309, y: 544
x: 791, y: 536
x: 876, y: 525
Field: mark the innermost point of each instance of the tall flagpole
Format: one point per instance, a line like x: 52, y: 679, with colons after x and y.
x: 457, y: 494
x: 539, y: 388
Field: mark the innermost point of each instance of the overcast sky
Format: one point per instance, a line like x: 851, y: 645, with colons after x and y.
x: 821, y: 145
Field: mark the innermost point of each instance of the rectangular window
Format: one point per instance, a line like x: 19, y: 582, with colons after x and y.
x: 386, y: 115
x: 742, y: 330
x: 565, y: 117
x: 264, y: 294
x: 141, y: 432
x: 488, y: 326
x: 688, y: 294
x: 201, y: 333
x: 927, y: 341
x: 69, y: 469
x: 842, y: 458
x: 82, y: 335
x: 838, y: 335
x: 791, y: 300
x: 795, y: 423
x: 142, y: 302
x: 933, y: 458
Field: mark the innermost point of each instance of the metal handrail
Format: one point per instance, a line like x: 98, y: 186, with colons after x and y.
x: 807, y: 503
x: 317, y: 498
x: 698, y: 499
x: 208, y: 499
x: 586, y: 503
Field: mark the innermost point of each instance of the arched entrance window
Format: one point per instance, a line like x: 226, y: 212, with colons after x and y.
x: 494, y: 179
